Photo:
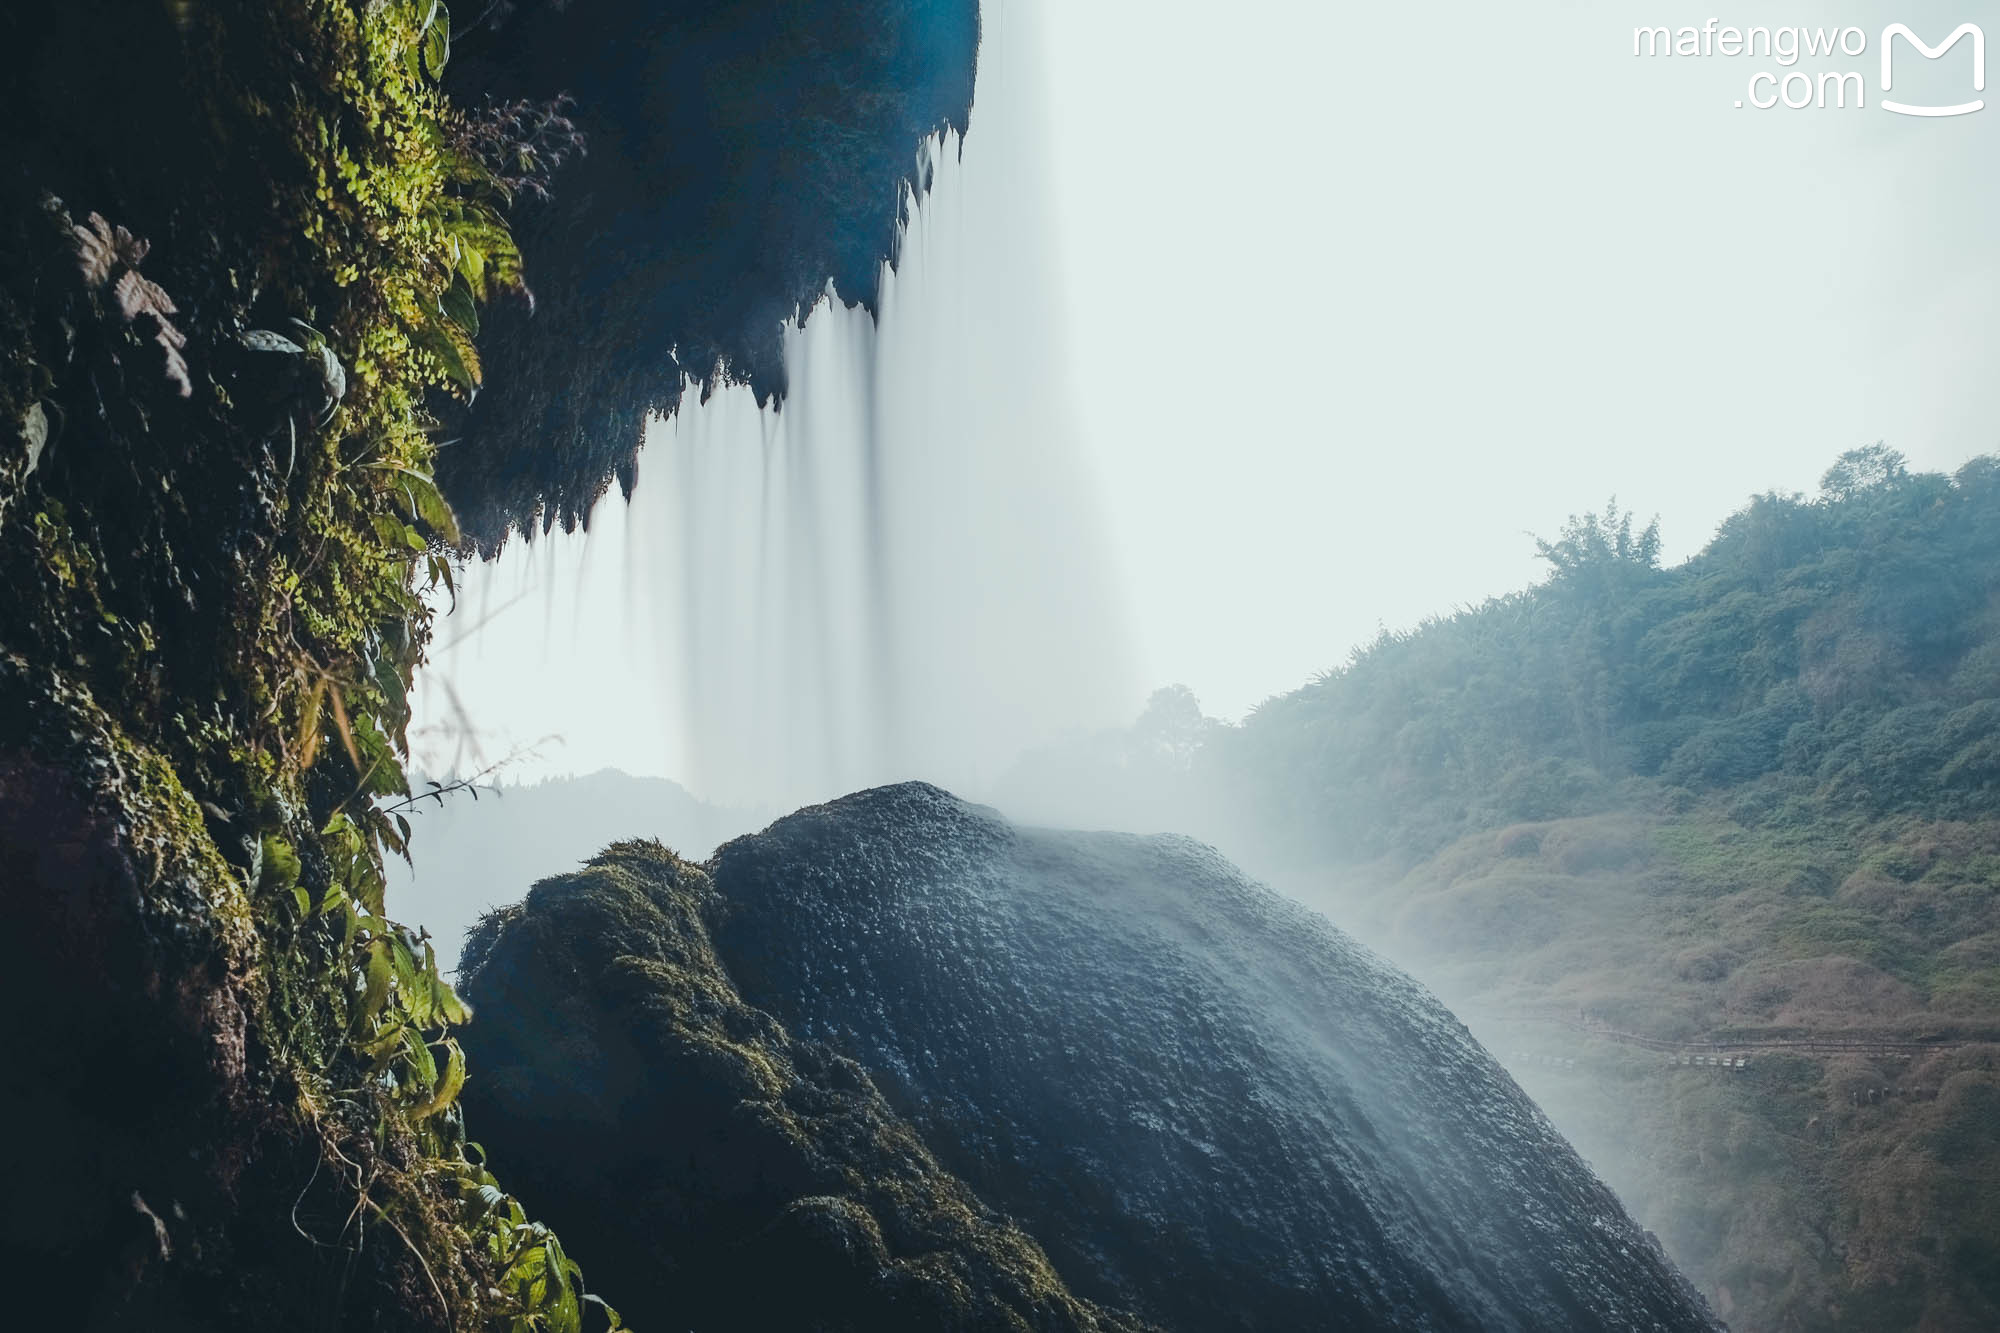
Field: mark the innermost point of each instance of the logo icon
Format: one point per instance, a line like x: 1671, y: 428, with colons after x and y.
x: 1895, y: 30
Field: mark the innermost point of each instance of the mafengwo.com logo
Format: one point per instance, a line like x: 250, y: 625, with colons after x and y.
x: 1822, y: 51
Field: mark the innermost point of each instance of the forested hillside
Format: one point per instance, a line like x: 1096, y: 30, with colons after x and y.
x: 1841, y: 654
x: 1633, y: 813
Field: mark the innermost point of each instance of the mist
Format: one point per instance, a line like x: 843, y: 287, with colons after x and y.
x: 896, y: 570
x: 1365, y: 448
x: 783, y: 889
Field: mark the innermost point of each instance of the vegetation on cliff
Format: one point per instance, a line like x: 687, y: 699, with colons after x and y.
x: 256, y: 263
x: 242, y: 247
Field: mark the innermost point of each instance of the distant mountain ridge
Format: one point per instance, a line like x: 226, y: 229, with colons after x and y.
x: 472, y: 852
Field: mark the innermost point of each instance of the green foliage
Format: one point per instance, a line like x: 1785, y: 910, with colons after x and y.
x: 419, y: 236
x: 1590, y: 543
x: 231, y: 583
x: 540, y: 1287
x: 411, y: 249
x: 1850, y: 642
x: 1859, y: 471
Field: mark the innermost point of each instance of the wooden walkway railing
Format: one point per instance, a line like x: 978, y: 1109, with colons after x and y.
x: 1734, y: 1049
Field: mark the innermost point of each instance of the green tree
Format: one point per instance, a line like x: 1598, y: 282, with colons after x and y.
x: 1172, y: 729
x: 1869, y: 468
x: 1591, y: 543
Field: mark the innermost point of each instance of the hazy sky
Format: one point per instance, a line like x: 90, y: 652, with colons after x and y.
x: 1359, y: 294
x: 1337, y: 306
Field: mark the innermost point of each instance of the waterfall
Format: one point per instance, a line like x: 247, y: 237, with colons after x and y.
x: 894, y: 572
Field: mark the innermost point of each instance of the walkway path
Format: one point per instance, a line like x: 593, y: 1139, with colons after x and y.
x: 1734, y: 1051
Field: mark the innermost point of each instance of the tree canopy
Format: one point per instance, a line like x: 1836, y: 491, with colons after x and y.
x: 1851, y: 642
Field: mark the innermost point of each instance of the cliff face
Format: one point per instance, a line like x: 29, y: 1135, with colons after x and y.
x: 244, y: 248
x: 1207, y: 1107
x: 741, y: 156
x: 206, y: 384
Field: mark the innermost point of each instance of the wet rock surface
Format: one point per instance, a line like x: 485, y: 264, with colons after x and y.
x: 725, y: 1173
x: 1206, y: 1106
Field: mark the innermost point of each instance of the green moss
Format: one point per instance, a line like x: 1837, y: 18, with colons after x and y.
x: 214, y: 609
x: 612, y: 1003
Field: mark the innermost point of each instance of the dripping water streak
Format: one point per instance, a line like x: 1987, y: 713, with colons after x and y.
x: 895, y: 573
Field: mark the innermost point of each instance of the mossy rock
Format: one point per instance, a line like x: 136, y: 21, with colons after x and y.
x: 731, y: 1174
x: 967, y: 1075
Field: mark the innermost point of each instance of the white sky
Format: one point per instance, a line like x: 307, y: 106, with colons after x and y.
x: 1359, y: 295
x: 1340, y: 305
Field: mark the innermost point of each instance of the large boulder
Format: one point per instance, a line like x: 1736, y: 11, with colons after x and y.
x: 721, y: 1173
x: 1208, y: 1108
